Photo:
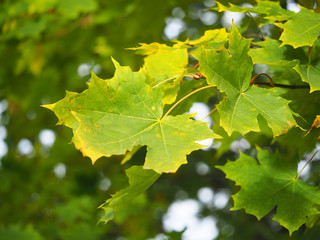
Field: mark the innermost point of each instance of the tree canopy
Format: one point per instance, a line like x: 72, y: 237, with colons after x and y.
x: 137, y: 74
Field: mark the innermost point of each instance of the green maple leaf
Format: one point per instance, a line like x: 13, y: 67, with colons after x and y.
x: 272, y: 54
x: 269, y: 184
x: 230, y: 70
x: 139, y: 181
x: 271, y: 11
x: 211, y: 39
x: 302, y: 29
x: 310, y: 75
x: 165, y: 66
x: 112, y: 116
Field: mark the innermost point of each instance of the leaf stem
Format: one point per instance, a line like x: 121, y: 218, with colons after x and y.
x: 260, y: 74
x: 215, y: 108
x: 262, y: 36
x: 185, y: 97
x: 168, y: 79
x: 306, y: 164
x: 253, y: 34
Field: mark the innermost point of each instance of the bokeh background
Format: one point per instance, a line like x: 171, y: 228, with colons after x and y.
x: 47, y: 189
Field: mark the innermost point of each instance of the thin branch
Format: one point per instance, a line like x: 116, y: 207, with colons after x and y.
x: 196, y: 65
x: 283, y: 85
x: 262, y: 37
x: 253, y: 34
x: 306, y: 165
x: 209, y: 114
x: 264, y: 74
x: 185, y: 97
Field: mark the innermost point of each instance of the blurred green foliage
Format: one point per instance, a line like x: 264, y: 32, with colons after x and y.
x: 43, y: 43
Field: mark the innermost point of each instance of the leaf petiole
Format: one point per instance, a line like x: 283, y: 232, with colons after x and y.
x: 306, y: 164
x: 168, y: 79
x: 260, y: 74
x: 215, y: 108
x: 185, y: 97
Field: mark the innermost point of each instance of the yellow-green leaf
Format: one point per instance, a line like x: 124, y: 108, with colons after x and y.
x: 302, y: 29
x: 310, y: 75
x: 112, y: 116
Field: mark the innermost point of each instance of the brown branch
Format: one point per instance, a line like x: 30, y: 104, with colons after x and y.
x: 282, y: 85
x: 263, y: 74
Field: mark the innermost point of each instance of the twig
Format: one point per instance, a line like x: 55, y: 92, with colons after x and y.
x: 306, y: 164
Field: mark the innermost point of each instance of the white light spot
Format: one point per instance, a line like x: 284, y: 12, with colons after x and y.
x: 248, y: 5
x: 60, y: 170
x: 159, y: 236
x: 202, y: 111
x: 25, y: 147
x: 3, y: 148
x: 227, y: 18
x: 3, y: 132
x: 244, y: 144
x: 178, y: 12
x: 97, y: 68
x: 84, y: 69
x: 202, y: 168
x: 208, y: 18
x: 181, y: 214
x: 105, y: 184
x: 205, y: 195
x: 207, y: 143
x: 203, y: 229
x: 293, y: 6
x: 221, y: 199
x: 3, y: 105
x: 209, y: 3
x: 306, y: 170
x: 261, y: 68
x: 174, y: 27
x: 240, y: 145
x: 47, y: 137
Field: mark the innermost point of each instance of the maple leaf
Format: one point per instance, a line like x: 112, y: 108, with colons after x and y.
x: 211, y: 39
x: 269, y: 184
x: 165, y: 67
x: 310, y: 75
x: 230, y: 70
x: 139, y: 181
x: 112, y: 116
x: 302, y: 29
x: 272, y: 54
x: 271, y: 11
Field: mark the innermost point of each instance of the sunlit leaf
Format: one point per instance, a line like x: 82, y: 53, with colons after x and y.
x: 115, y: 115
x: 230, y: 70
x: 301, y: 30
x: 272, y: 183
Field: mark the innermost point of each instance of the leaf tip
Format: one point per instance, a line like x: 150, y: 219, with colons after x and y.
x: 115, y: 63
x: 49, y: 106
